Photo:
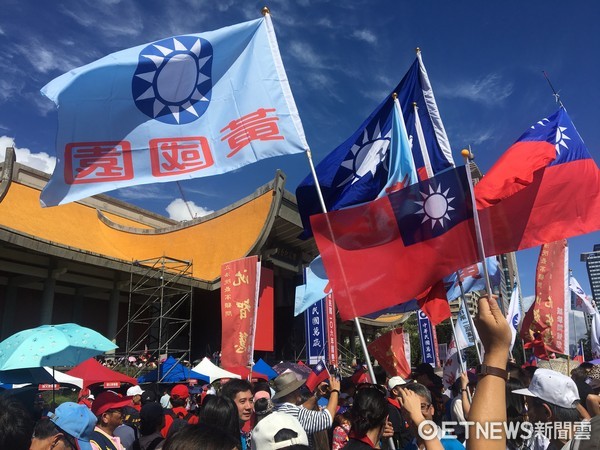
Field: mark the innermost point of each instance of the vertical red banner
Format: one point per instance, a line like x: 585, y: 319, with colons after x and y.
x: 388, y: 349
x: 239, y: 299
x: 265, y: 318
x: 549, y: 313
x: 331, y: 330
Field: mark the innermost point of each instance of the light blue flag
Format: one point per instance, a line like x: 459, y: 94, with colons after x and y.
x: 402, y: 170
x: 315, y: 289
x: 184, y: 107
x: 472, y: 278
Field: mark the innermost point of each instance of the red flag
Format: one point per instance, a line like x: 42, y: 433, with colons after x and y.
x: 317, y: 376
x: 390, y: 250
x: 264, y: 340
x: 239, y: 298
x: 435, y: 304
x: 389, y: 351
x: 546, y: 324
x: 546, y: 187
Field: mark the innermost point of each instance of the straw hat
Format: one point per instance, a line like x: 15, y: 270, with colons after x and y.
x: 285, y: 384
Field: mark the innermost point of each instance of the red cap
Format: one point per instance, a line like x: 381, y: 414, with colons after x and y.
x: 181, y: 391
x: 108, y: 400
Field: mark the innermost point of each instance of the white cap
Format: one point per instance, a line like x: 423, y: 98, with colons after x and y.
x: 395, y: 381
x: 552, y: 387
x: 263, y: 435
x: 134, y: 390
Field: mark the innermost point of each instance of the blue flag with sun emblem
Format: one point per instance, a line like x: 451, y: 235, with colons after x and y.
x: 358, y: 169
x: 184, y: 107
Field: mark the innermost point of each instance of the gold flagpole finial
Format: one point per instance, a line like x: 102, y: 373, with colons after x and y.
x: 466, y: 153
x: 394, y: 96
x: 265, y: 11
x: 417, y: 50
x: 414, y: 104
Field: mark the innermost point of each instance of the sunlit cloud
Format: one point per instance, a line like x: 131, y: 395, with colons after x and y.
x: 180, y: 210
x: 365, y: 35
x: 40, y: 161
x: 489, y: 90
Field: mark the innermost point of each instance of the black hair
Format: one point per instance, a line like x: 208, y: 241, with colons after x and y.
x: 151, y: 418
x: 263, y: 407
x: 234, y: 387
x: 16, y: 425
x: 420, y: 390
x: 559, y: 413
x: 579, y: 373
x: 380, y: 375
x: 221, y: 412
x: 369, y: 411
x: 204, y: 436
x: 261, y: 386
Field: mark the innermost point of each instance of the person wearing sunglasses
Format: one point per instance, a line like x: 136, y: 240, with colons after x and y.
x: 70, y: 427
x: 108, y: 408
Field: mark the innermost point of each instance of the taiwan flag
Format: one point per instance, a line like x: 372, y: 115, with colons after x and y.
x: 545, y: 188
x: 392, y: 249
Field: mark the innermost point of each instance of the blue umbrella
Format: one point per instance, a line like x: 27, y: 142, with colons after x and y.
x: 52, y: 345
x: 35, y: 375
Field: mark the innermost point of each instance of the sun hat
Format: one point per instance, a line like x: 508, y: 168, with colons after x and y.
x: 265, y: 431
x: 395, y: 381
x: 552, y: 387
x: 134, y: 390
x: 108, y: 400
x: 180, y: 391
x: 286, y: 383
x: 75, y: 420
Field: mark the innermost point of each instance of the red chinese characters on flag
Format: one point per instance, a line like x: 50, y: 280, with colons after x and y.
x: 175, y: 156
x: 256, y: 126
x: 389, y: 351
x: 548, y: 315
x: 98, y: 162
x: 239, y: 303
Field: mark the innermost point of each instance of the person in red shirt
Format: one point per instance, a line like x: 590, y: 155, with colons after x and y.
x: 180, y: 395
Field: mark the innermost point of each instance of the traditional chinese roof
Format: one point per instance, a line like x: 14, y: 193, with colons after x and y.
x: 110, y: 233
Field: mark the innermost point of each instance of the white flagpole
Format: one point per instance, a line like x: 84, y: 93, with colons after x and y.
x: 361, y: 337
x: 468, y: 156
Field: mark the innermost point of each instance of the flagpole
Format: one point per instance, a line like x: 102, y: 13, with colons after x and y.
x: 361, y: 337
x: 468, y: 156
x: 460, y: 360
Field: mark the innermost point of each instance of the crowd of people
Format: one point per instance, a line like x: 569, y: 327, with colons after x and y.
x: 503, y: 407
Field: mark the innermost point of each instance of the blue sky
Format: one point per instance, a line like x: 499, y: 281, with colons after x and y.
x: 484, y: 59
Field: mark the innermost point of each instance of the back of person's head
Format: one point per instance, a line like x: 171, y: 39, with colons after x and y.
x: 202, y: 436
x: 16, y: 425
x: 152, y: 418
x: 420, y: 390
x: 234, y: 387
x: 380, y: 375
x: 263, y: 407
x: 369, y: 410
x: 221, y: 412
x: 580, y: 373
x: 515, y: 404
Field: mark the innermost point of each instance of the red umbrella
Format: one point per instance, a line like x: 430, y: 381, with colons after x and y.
x: 92, y: 372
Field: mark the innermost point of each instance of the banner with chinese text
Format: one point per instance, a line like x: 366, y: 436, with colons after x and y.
x: 314, y: 318
x: 549, y: 314
x: 389, y: 351
x: 239, y: 304
x: 332, y: 353
x: 428, y: 354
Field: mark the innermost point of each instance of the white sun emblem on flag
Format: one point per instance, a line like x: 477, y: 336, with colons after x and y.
x: 435, y: 206
x: 560, y: 139
x: 366, y: 157
x: 172, y: 82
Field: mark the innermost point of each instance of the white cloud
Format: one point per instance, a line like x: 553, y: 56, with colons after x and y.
x: 365, y: 35
x: 2, y: 33
x: 527, y: 302
x: 489, y: 90
x: 109, y: 22
x: 44, y: 59
x: 8, y: 88
x: 305, y: 54
x: 178, y: 210
x: 40, y: 161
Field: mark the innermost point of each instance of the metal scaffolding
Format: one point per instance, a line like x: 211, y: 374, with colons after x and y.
x: 159, y: 318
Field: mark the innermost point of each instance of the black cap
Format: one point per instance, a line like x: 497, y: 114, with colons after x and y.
x: 148, y: 397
